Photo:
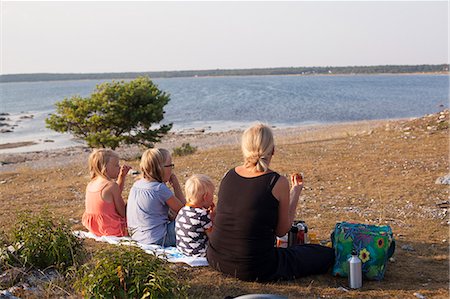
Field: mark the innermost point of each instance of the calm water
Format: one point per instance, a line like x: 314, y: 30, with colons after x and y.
x: 233, y: 102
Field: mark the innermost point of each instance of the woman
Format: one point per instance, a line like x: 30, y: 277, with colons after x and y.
x: 254, y: 206
x: 150, y: 200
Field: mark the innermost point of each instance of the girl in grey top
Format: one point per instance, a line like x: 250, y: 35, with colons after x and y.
x: 151, y: 202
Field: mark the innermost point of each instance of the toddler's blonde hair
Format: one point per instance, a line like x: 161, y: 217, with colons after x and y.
x: 257, y: 147
x: 98, y: 160
x: 197, y: 186
x: 152, y: 163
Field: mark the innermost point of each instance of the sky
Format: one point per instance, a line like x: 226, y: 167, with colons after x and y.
x: 91, y: 37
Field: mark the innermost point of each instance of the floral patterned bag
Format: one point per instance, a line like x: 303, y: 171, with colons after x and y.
x: 373, y: 244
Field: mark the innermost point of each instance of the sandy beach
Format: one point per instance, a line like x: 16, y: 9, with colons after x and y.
x: 374, y: 172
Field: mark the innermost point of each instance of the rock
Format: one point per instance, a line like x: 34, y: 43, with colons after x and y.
x: 5, y: 131
x: 444, y: 180
x: 3, y: 113
x: 49, y: 140
x: 419, y: 295
x: 407, y: 247
x: 3, y: 182
x: 342, y: 289
x: 27, y: 116
x: 9, y: 277
x: 75, y: 221
x: 392, y: 259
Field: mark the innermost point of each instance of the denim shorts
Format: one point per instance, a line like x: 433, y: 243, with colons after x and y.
x: 169, y: 239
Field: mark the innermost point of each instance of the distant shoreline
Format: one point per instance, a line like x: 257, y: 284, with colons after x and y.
x: 441, y: 69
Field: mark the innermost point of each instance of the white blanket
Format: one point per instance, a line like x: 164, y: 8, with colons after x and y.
x: 170, y: 254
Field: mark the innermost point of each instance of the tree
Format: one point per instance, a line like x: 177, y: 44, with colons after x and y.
x: 115, y: 113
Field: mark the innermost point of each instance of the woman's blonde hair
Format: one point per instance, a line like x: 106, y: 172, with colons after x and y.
x: 197, y: 186
x: 257, y: 147
x: 152, y: 163
x: 98, y: 160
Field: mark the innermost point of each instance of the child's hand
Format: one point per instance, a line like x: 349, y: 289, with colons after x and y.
x: 124, y: 169
x: 173, y: 180
x: 211, y: 207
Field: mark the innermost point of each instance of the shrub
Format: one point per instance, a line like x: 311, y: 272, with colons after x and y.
x: 127, y: 272
x: 115, y: 113
x: 42, y: 242
x: 184, y: 150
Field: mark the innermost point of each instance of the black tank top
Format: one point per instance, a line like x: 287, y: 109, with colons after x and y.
x: 242, y: 241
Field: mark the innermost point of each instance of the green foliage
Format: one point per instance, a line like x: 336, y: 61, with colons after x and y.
x: 128, y: 272
x: 116, y: 113
x: 42, y: 242
x: 184, y: 150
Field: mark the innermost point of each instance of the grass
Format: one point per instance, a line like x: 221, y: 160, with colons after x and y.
x: 385, y: 177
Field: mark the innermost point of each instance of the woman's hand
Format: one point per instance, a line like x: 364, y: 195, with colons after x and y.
x: 296, y: 182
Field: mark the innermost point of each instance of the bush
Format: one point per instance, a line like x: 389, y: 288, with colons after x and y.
x: 184, y: 150
x: 128, y: 272
x: 115, y: 113
x: 40, y: 241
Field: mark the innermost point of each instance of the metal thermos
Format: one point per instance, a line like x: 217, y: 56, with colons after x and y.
x: 355, y: 271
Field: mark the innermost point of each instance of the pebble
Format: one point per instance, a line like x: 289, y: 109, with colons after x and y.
x: 419, y: 295
x: 407, y: 247
x: 3, y: 182
x: 342, y: 289
x: 443, y: 180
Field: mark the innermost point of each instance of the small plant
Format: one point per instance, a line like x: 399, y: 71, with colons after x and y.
x: 128, y: 273
x: 184, y: 150
x: 40, y: 241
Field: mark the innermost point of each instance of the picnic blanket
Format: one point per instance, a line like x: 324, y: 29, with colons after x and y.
x: 170, y: 254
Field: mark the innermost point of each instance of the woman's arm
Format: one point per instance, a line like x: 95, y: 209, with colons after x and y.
x: 288, y: 201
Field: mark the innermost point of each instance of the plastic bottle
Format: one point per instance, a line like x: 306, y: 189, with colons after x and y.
x: 355, y: 271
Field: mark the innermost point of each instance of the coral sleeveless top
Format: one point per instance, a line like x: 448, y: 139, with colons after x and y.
x: 100, y: 216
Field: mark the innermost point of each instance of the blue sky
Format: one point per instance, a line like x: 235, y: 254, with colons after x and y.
x: 84, y: 37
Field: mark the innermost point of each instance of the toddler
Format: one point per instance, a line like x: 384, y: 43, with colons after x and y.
x: 105, y: 208
x: 194, y: 220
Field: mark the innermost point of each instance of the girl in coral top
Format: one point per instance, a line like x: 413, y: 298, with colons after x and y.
x: 105, y: 208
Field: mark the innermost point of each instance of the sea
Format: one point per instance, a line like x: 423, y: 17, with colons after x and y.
x: 215, y: 104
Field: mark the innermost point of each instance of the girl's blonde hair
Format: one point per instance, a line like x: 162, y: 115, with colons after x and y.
x: 152, y: 163
x: 257, y: 147
x: 98, y: 160
x: 197, y: 186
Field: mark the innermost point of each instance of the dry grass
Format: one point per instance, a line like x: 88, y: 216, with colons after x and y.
x: 383, y: 176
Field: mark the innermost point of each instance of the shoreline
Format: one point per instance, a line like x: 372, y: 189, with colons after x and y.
x: 441, y: 73
x: 29, y: 145
x: 202, y: 140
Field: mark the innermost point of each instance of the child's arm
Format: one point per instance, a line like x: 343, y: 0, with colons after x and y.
x: 173, y: 181
x: 124, y: 169
x: 209, y: 224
